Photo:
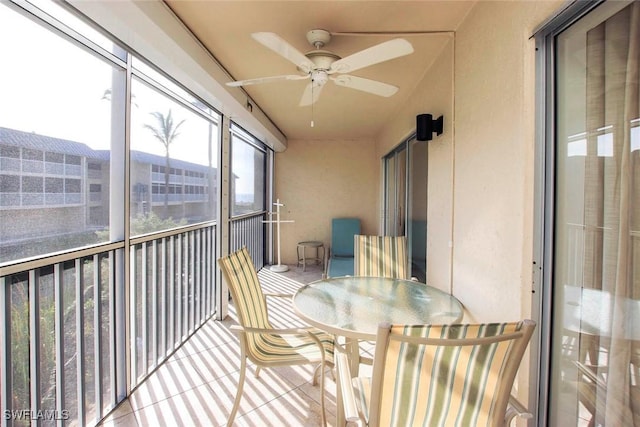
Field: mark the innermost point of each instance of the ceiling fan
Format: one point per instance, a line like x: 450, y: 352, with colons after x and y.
x: 321, y: 65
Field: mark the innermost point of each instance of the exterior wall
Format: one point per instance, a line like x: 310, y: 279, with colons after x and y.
x: 434, y: 95
x: 51, y: 221
x: 96, y: 215
x: 494, y: 164
x: 141, y: 179
x: 59, y: 221
x: 324, y: 180
x: 494, y: 147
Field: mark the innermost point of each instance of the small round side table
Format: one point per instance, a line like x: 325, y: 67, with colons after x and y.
x: 302, y: 256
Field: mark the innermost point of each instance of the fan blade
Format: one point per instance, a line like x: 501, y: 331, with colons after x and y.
x: 310, y: 95
x: 267, y: 80
x: 284, y: 49
x: 374, y: 55
x: 365, y: 85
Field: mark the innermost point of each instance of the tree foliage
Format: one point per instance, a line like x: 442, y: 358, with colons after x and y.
x: 166, y: 130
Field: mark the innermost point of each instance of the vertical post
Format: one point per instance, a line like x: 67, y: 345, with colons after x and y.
x: 34, y: 330
x: 80, y: 345
x: 5, y: 345
x: 278, y: 227
x: 224, y: 214
x: 58, y: 284
x: 171, y: 294
x: 97, y: 335
x: 132, y: 349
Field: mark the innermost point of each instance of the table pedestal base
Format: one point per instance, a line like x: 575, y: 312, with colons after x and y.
x: 279, y: 268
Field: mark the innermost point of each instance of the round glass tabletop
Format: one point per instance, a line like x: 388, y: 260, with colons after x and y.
x: 354, y: 306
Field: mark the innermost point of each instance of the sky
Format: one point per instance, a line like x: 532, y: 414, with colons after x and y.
x: 68, y: 101
x: 53, y: 88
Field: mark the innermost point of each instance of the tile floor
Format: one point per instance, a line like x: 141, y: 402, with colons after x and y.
x: 196, y: 386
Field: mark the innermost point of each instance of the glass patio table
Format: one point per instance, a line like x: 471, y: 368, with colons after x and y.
x: 353, y: 307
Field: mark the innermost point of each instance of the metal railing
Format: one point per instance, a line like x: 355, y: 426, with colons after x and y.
x: 172, y: 293
x: 249, y: 230
x: 59, y: 337
x: 64, y: 322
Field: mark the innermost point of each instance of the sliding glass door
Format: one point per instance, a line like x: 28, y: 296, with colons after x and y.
x: 395, y: 192
x: 405, y: 207
x: 594, y: 376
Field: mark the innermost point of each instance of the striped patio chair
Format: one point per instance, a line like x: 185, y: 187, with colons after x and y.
x: 259, y: 341
x: 380, y: 256
x: 439, y: 375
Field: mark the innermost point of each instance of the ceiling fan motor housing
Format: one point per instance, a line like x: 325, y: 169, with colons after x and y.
x: 318, y: 38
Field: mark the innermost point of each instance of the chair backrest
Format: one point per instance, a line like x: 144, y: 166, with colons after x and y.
x: 380, y: 256
x: 342, y: 232
x: 242, y: 279
x: 446, y: 374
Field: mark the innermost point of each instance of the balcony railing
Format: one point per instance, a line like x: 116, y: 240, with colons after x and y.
x: 178, y: 198
x: 172, y: 293
x: 249, y: 230
x: 64, y: 321
x: 59, y: 323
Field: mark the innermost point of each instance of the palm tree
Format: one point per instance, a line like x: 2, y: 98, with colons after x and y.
x: 166, y: 132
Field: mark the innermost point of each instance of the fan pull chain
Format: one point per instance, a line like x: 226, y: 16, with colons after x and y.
x: 312, y: 85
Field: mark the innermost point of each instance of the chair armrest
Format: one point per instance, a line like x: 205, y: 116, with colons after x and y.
x: 273, y: 331
x: 516, y: 409
x: 346, y: 387
x: 308, y: 331
x: 365, y: 360
x: 236, y: 328
x: 269, y: 294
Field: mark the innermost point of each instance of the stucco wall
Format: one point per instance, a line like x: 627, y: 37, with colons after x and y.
x: 325, y: 179
x: 494, y: 145
x: 434, y: 95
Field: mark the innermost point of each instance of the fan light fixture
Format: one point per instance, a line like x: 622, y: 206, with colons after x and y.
x: 319, y: 78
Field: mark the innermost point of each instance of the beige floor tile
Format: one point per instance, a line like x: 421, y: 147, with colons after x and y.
x: 313, y: 392
x: 211, y: 335
x: 217, y: 362
x: 258, y: 391
x: 292, y: 409
x: 199, y: 406
x: 122, y: 416
x: 288, y: 410
x: 175, y: 376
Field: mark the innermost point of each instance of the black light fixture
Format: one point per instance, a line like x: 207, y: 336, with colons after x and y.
x: 426, y: 126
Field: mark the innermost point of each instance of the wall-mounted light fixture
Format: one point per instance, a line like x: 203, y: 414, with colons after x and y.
x: 426, y: 126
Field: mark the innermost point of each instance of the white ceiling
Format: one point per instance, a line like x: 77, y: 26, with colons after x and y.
x: 225, y: 27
